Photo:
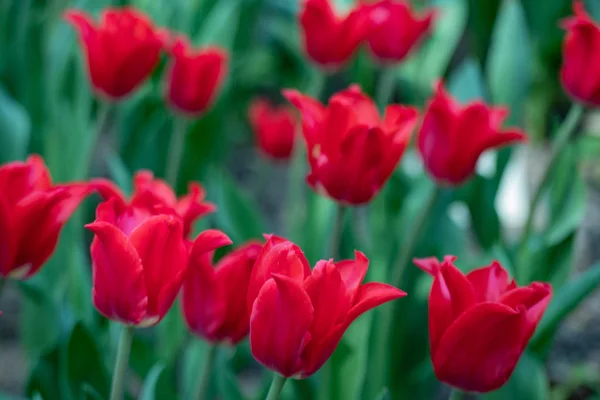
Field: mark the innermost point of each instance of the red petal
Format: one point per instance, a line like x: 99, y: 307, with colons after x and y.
x: 119, y: 291
x: 278, y: 256
x: 313, y: 113
x: 535, y: 298
x: 279, y: 322
x: 209, y: 240
x: 233, y: 276
x: 192, y: 206
x: 107, y: 190
x: 479, y: 351
x: 362, y: 106
x: 8, y: 247
x: 490, y: 282
x: 204, y: 305
x: 160, y: 246
x: 451, y: 295
x: 431, y: 265
x: 353, y: 272
x: 371, y: 295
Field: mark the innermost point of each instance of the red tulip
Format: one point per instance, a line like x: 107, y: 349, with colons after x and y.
x: 395, y: 29
x: 479, y: 324
x: 122, y: 49
x: 579, y: 74
x: 452, y: 137
x: 274, y: 128
x: 331, y: 40
x: 298, y: 317
x: 214, y: 298
x: 33, y: 211
x: 139, y: 262
x: 351, y: 150
x: 194, y: 77
x: 154, y: 196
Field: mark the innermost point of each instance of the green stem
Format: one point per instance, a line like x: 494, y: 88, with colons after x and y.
x: 121, y: 363
x: 386, y: 87
x: 411, y: 242
x: 203, y: 389
x: 175, y: 155
x: 563, y: 135
x: 276, y: 386
x: 336, y: 234
x: 456, y: 394
x: 2, y: 283
x: 105, y: 109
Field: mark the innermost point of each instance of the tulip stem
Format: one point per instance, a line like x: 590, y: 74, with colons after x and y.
x: 386, y: 86
x: 276, y: 386
x: 121, y: 363
x: 563, y: 135
x: 103, y: 115
x: 2, y: 283
x: 203, y: 389
x: 456, y: 394
x: 180, y: 126
x: 412, y: 240
x: 336, y: 234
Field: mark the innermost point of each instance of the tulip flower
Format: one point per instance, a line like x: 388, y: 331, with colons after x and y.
x: 579, y: 73
x: 452, y: 137
x: 33, y: 212
x: 298, y: 316
x: 214, y: 297
x: 153, y: 196
x: 395, y: 29
x: 194, y: 77
x: 274, y: 128
x: 122, y: 49
x: 139, y: 262
x: 351, y: 150
x: 479, y: 324
x: 330, y: 40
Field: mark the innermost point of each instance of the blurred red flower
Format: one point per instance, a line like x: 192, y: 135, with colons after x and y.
x: 351, y: 150
x: 274, y: 128
x: 139, y: 262
x: 330, y: 40
x: 298, y: 316
x: 580, y: 74
x: 479, y: 324
x: 214, y: 297
x: 194, y: 77
x: 452, y: 137
x: 33, y: 211
x: 153, y: 196
x: 395, y: 29
x: 122, y: 49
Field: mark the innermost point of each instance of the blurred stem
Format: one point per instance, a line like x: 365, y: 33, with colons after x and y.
x: 2, y: 283
x: 276, y: 386
x: 102, y: 117
x: 456, y: 394
x: 203, y: 389
x: 180, y: 126
x: 563, y: 135
x: 412, y: 240
x: 120, y: 371
x: 386, y: 86
x: 336, y: 235
x: 317, y: 85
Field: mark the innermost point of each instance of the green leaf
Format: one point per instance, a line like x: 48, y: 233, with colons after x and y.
x: 150, y: 383
x: 85, y: 362
x: 227, y: 384
x: 509, y: 60
x: 484, y: 218
x: 564, y: 301
x: 15, y: 128
x: 528, y: 382
x: 46, y: 377
x: 194, y: 360
x: 119, y: 172
x: 220, y: 26
x: 171, y: 335
x: 467, y: 83
x: 237, y: 215
x: 432, y: 61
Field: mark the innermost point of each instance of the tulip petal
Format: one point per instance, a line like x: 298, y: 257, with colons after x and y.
x: 278, y: 256
x: 209, y: 240
x: 371, y: 295
x: 204, y: 304
x: 490, y: 282
x: 480, y: 350
x: 313, y: 113
x: 107, y: 190
x: 159, y: 244
x: 192, y: 206
x: 535, y: 298
x: 119, y: 290
x: 279, y: 322
x: 353, y: 272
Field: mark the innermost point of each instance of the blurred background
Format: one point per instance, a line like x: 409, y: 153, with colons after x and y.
x: 504, y: 51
